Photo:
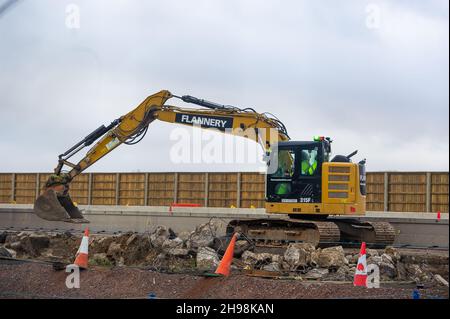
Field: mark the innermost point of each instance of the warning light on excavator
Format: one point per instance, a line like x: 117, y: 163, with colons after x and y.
x: 318, y: 138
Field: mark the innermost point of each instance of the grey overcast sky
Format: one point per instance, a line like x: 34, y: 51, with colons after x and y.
x: 373, y: 75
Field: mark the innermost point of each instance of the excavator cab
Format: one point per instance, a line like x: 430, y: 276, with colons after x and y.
x: 297, y: 177
x: 302, y: 181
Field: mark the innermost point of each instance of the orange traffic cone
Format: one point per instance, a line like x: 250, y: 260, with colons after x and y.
x: 225, y: 264
x: 81, y: 259
x: 361, y: 268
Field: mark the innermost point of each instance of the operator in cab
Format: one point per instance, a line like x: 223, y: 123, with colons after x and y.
x: 309, y: 162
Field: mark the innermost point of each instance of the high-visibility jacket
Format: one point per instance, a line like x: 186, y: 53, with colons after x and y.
x: 308, y: 169
x: 282, y: 189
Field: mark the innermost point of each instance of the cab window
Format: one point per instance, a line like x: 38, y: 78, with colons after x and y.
x: 286, y: 164
x: 309, y: 161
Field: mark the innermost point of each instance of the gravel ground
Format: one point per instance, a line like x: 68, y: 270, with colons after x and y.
x: 34, y: 280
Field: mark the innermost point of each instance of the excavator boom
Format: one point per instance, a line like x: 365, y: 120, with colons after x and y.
x: 55, y: 203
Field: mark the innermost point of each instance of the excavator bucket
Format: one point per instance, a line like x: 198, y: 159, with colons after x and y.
x: 47, y: 206
x: 50, y: 206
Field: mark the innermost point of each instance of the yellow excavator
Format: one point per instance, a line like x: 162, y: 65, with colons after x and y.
x: 303, y: 184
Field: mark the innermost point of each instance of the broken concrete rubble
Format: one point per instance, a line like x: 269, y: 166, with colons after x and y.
x: 137, y: 251
x: 159, y: 236
x: 4, y: 252
x: 316, y: 273
x: 298, y: 255
x: 178, y: 252
x: 11, y: 238
x: 416, y: 273
x: 441, y: 280
x: 387, y: 270
x: 207, y: 259
x: 387, y: 259
x: 256, y: 261
x: 344, y: 273
x: 277, y: 259
x: 15, y: 245
x: 184, y: 236
x: 374, y: 260
x: 332, y: 257
x: 164, y: 250
x: 114, y: 251
x: 371, y: 252
x: 131, y: 239
x: 202, y: 236
x: 273, y: 266
x: 172, y: 243
x: 393, y: 253
x: 386, y: 265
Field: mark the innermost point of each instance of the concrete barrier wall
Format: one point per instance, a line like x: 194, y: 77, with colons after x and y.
x: 417, y: 229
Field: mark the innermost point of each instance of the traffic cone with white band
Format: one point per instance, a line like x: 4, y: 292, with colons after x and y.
x: 361, y: 268
x: 81, y: 259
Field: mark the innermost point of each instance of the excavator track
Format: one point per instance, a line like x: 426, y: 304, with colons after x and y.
x: 331, y: 232
x: 280, y: 232
x: 375, y: 234
x: 384, y: 233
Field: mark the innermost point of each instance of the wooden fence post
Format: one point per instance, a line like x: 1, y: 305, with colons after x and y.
x: 386, y: 192
x: 117, y: 188
x: 175, y: 188
x: 206, y: 189
x: 428, y: 195
x: 38, y: 177
x: 238, y: 195
x: 89, y: 199
x: 13, y: 187
x: 146, y: 190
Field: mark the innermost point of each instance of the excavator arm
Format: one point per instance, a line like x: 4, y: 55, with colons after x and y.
x: 55, y: 203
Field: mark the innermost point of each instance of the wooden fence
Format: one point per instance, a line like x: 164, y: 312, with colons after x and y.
x: 386, y: 191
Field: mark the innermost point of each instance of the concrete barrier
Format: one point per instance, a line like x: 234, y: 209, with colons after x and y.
x: 417, y: 229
